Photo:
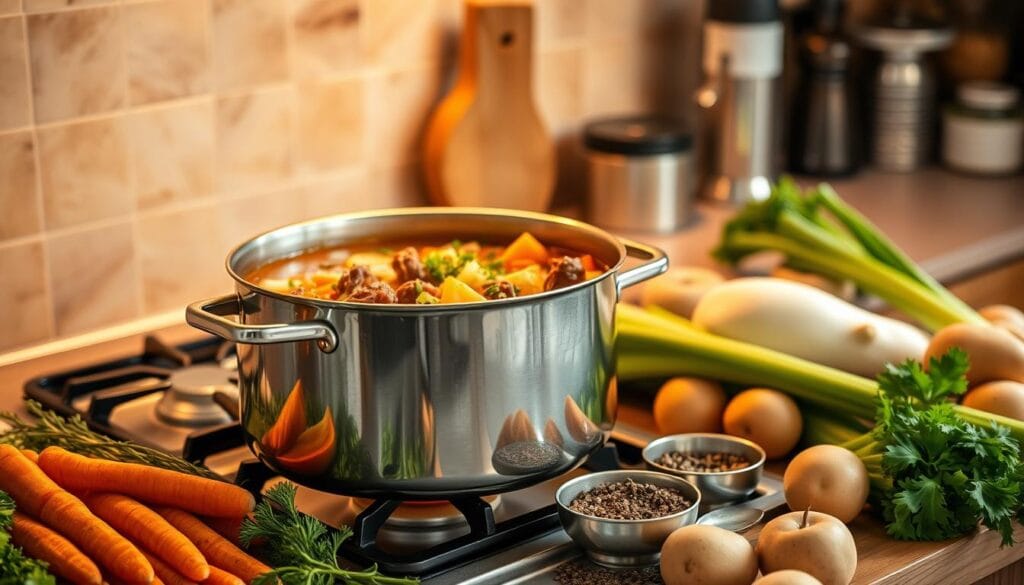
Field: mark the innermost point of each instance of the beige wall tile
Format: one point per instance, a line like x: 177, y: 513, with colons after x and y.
x: 618, y: 78
x: 341, y: 193
x: 77, y: 62
x: 52, y: 5
x: 14, y: 90
x: 246, y: 217
x: 10, y: 7
x: 19, y: 199
x: 182, y: 257
x: 558, y: 88
x: 401, y: 32
x: 253, y: 146
x: 557, y: 21
x: 326, y: 36
x: 23, y: 307
x: 167, y: 50
x: 396, y: 187
x: 398, y: 106
x: 249, y: 42
x: 84, y: 170
x: 617, y: 19
x: 107, y: 292
x: 329, y: 124
x: 173, y: 149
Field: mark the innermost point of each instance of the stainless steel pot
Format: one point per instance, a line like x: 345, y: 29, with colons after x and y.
x: 422, y: 402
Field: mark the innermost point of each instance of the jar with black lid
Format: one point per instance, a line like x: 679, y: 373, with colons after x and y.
x: 641, y: 173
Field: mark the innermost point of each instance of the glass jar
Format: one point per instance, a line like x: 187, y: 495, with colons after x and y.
x: 983, y: 130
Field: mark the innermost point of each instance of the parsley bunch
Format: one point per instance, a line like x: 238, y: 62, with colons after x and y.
x: 15, y: 567
x: 304, y: 550
x: 937, y: 475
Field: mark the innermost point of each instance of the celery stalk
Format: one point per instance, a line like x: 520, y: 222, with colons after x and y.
x: 791, y: 223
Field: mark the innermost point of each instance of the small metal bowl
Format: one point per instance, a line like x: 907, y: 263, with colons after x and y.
x: 716, y: 487
x: 623, y: 543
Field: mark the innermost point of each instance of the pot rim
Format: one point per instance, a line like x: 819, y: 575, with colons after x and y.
x: 431, y: 211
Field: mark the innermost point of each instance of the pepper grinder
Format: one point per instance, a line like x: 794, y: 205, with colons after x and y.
x: 743, y: 66
x: 825, y: 130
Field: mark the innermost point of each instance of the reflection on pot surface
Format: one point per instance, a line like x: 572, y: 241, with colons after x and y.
x: 421, y: 401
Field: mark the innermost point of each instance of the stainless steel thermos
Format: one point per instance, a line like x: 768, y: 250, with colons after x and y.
x: 742, y: 66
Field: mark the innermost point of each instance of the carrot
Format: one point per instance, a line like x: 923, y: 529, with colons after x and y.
x: 151, y: 532
x: 219, y: 552
x: 32, y: 455
x: 165, y: 573
x: 38, y: 496
x: 204, y: 496
x: 64, y: 558
x: 229, y: 528
x: 222, y: 577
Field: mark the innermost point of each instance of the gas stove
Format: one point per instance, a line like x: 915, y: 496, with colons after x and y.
x: 184, y: 399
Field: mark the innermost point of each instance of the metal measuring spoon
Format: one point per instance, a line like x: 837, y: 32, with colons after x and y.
x: 740, y: 517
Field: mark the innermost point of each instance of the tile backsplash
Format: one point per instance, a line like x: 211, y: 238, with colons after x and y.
x: 141, y: 139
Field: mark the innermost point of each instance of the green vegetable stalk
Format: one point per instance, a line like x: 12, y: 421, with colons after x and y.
x: 15, y: 567
x: 657, y: 344
x: 818, y: 232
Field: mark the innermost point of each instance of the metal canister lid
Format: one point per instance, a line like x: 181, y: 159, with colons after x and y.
x: 988, y: 96
x: 643, y: 135
x: 743, y: 11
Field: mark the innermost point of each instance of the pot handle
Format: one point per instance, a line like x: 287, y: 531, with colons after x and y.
x: 210, y: 315
x: 657, y: 263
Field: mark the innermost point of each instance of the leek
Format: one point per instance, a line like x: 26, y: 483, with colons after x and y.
x: 818, y: 232
x: 655, y: 343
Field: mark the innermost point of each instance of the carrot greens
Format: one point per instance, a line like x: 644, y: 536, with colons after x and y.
x: 302, y: 548
x: 52, y: 430
x: 15, y: 567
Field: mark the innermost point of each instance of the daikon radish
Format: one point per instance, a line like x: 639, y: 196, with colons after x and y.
x: 809, y: 323
x: 680, y: 289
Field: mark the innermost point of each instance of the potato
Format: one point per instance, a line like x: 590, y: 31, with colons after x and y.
x: 1003, y: 397
x: 679, y: 289
x: 707, y: 555
x: 827, y: 479
x: 1005, y: 317
x: 787, y: 577
x: 995, y: 354
x: 689, y: 405
x: 812, y: 542
x: 767, y: 417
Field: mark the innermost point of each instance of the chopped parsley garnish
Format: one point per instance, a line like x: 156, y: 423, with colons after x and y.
x: 443, y: 263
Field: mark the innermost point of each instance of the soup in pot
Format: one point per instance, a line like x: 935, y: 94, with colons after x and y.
x: 452, y: 272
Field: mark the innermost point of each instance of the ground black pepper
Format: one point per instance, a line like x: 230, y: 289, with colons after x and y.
x: 629, y: 500
x: 703, y: 462
x: 584, y: 573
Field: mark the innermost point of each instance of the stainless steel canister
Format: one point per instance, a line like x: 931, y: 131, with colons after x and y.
x: 641, y: 174
x: 425, y: 401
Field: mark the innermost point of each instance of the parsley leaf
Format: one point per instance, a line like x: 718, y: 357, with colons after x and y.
x: 15, y: 567
x: 944, y: 474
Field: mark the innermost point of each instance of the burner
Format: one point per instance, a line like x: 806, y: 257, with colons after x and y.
x: 415, y: 515
x: 190, y: 399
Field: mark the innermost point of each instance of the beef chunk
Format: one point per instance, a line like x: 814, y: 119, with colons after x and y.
x: 408, y: 266
x: 353, y: 278
x: 410, y: 291
x: 376, y: 292
x: 564, y: 271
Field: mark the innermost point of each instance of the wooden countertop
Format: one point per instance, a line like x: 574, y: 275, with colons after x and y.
x: 956, y: 226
